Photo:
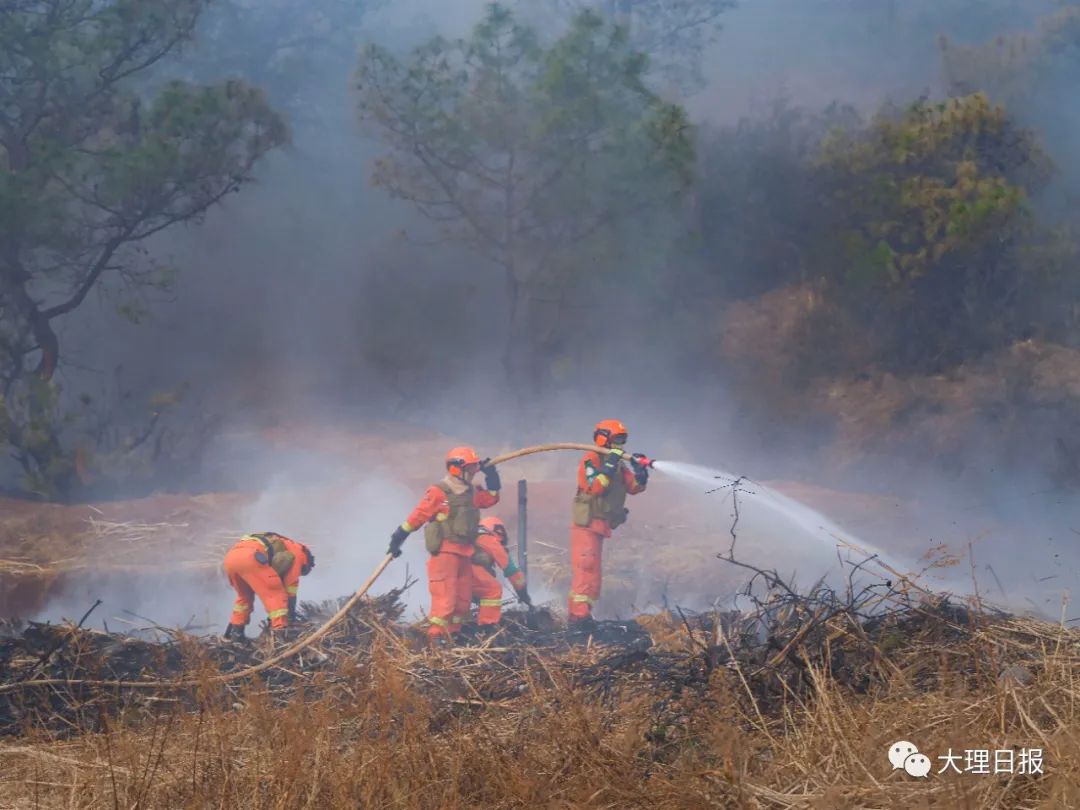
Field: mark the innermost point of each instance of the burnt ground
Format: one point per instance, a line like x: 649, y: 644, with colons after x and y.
x: 774, y: 650
x: 36, y: 651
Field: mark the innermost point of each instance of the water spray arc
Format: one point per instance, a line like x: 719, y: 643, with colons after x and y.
x: 798, y: 514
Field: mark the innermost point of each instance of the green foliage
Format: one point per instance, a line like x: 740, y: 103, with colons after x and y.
x: 66, y: 451
x: 673, y: 33
x: 915, y: 233
x: 758, y: 198
x: 514, y: 142
x: 30, y: 421
x: 91, y: 165
x: 1013, y: 69
x: 528, y: 153
x: 286, y: 47
x: 1035, y: 74
x: 927, y: 208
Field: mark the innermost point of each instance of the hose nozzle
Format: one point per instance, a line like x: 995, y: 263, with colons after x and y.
x: 642, y: 460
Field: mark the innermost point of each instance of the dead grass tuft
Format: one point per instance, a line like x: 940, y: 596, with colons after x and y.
x: 701, y: 718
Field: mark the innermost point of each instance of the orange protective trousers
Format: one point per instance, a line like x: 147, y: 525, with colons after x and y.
x: 249, y: 577
x: 586, y: 547
x: 487, y: 588
x: 450, y: 584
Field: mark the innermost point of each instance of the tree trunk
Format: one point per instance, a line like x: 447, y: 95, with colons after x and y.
x: 515, y: 352
x: 34, y: 434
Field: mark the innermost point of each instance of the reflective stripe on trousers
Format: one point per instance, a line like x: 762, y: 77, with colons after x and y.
x: 487, y: 590
x: 251, y: 578
x: 586, y: 550
x: 450, y: 585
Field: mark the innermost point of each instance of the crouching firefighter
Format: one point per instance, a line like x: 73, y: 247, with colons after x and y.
x: 450, y: 515
x: 268, y: 565
x: 598, y: 509
x: 492, y: 549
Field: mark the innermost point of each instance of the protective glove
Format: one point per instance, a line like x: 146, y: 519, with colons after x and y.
x: 396, y: 541
x: 523, y: 597
x: 641, y: 469
x: 292, y: 609
x: 611, y: 463
x: 491, y: 476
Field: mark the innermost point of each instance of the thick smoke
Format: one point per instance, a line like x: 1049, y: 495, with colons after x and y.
x: 302, y: 302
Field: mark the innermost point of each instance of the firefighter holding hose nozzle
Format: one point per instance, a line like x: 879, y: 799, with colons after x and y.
x: 598, y: 509
x: 450, y: 515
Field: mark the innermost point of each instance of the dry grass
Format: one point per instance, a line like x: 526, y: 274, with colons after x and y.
x: 134, y: 547
x: 46, y: 547
x: 50, y: 540
x: 393, y: 727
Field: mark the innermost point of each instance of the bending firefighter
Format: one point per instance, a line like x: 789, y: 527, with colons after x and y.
x: 598, y: 509
x: 268, y: 565
x: 492, y: 549
x: 450, y: 515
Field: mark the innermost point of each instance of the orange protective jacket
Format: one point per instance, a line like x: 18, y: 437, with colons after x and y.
x: 592, y: 482
x: 289, y: 565
x: 273, y: 579
x: 434, y: 504
x: 492, y: 545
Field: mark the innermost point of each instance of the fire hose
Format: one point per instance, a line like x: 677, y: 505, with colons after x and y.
x: 300, y: 644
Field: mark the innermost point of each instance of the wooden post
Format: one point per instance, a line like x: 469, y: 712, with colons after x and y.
x: 523, y: 531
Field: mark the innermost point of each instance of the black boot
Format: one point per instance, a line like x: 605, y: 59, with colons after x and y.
x: 467, y: 633
x: 583, y: 625
x: 235, y: 632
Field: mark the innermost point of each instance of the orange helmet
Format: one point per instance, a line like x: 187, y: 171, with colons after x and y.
x: 459, y: 458
x: 609, y: 432
x: 492, y: 525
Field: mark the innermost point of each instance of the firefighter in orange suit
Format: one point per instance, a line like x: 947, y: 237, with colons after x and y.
x: 603, y: 483
x: 492, y: 549
x: 268, y: 565
x: 450, y: 515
